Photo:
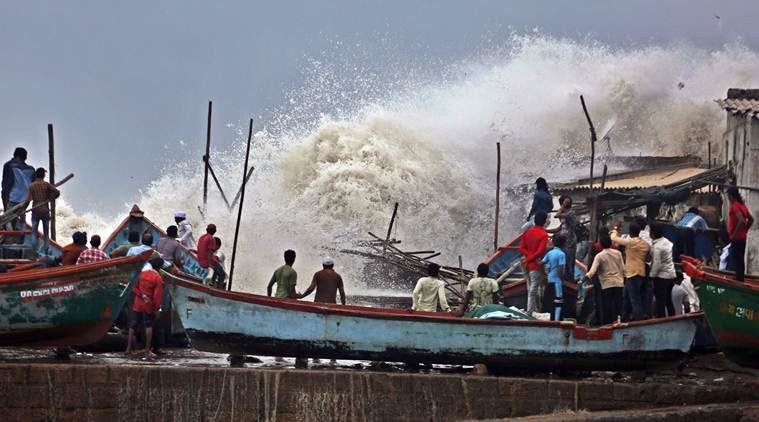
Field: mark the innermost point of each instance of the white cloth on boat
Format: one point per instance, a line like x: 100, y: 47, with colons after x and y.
x: 679, y: 294
x: 724, y: 258
x: 427, y: 293
x: 695, y: 304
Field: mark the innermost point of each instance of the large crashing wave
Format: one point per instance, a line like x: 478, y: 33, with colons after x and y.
x: 330, y: 165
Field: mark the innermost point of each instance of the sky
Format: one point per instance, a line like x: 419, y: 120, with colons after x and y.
x: 125, y: 82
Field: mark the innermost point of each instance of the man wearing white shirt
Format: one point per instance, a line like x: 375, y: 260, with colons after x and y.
x: 662, y: 272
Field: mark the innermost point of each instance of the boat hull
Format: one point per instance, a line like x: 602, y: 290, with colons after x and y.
x: 65, y: 306
x: 732, y: 310
x: 239, y: 323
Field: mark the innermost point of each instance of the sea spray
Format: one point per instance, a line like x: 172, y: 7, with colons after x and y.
x: 331, y: 162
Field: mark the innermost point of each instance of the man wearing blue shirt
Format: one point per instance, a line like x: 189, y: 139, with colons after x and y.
x: 17, y: 176
x: 555, y: 261
x: 686, y: 233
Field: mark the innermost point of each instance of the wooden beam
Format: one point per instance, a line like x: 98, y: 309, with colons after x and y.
x: 51, y: 171
x: 239, y: 191
x: 239, y: 210
x: 390, y: 227
x: 218, y: 185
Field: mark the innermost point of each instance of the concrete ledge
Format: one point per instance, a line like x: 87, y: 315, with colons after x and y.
x: 723, y: 412
x: 34, y: 392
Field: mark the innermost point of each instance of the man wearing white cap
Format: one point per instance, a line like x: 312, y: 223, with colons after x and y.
x: 327, y: 283
x: 185, y: 231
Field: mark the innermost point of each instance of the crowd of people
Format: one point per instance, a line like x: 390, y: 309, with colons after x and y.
x: 634, y: 274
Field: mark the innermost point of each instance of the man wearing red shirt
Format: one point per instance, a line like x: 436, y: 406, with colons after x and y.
x: 207, y: 246
x: 738, y: 222
x: 533, y: 247
x: 147, y: 304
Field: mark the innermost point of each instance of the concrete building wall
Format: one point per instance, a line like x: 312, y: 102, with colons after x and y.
x: 742, y: 143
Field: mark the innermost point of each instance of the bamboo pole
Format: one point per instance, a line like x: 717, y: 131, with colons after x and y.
x: 239, y: 210
x: 390, y: 227
x: 51, y: 171
x: 593, y: 197
x: 239, y: 191
x: 218, y: 185
x: 593, y: 139
x: 207, y: 157
x: 497, y: 195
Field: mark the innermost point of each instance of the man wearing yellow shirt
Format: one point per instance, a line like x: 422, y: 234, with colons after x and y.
x: 636, y: 254
x: 430, y: 291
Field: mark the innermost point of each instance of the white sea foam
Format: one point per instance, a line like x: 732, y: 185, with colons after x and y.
x: 348, y: 144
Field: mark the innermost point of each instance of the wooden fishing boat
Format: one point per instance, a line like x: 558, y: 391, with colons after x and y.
x: 242, y: 323
x: 65, y: 306
x: 136, y: 221
x: 732, y: 310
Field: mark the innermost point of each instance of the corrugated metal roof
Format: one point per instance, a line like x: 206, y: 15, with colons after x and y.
x: 740, y: 105
x: 640, y: 179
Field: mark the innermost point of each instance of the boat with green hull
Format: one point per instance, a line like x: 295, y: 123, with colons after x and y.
x: 732, y: 310
x: 65, y: 306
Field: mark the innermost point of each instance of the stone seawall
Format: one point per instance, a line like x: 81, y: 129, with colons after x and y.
x: 58, y: 392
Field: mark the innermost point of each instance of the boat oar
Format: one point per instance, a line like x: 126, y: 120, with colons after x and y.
x: 19, y: 209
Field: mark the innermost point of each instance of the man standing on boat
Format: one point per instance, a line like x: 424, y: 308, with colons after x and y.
x: 480, y: 291
x: 327, y: 283
x: 662, y: 272
x: 17, y: 176
x: 738, y: 222
x: 185, y: 230
x: 610, y: 268
x: 92, y: 254
x: 636, y: 253
x: 568, y: 227
x: 206, y: 247
x: 555, y: 261
x: 285, y: 278
x: 533, y: 248
x: 430, y: 291
x: 40, y: 195
x: 686, y: 233
x: 542, y: 201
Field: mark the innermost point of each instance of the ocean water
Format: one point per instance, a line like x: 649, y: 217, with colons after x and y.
x: 353, y: 140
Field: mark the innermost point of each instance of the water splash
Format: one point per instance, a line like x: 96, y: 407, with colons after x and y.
x: 350, y: 142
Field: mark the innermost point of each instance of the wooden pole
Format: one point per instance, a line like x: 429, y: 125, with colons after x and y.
x: 709, y: 155
x: 239, y: 209
x: 390, y: 227
x: 207, y: 157
x: 592, y: 196
x: 497, y: 195
x: 218, y: 185
x: 239, y: 191
x: 593, y: 139
x: 51, y: 171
